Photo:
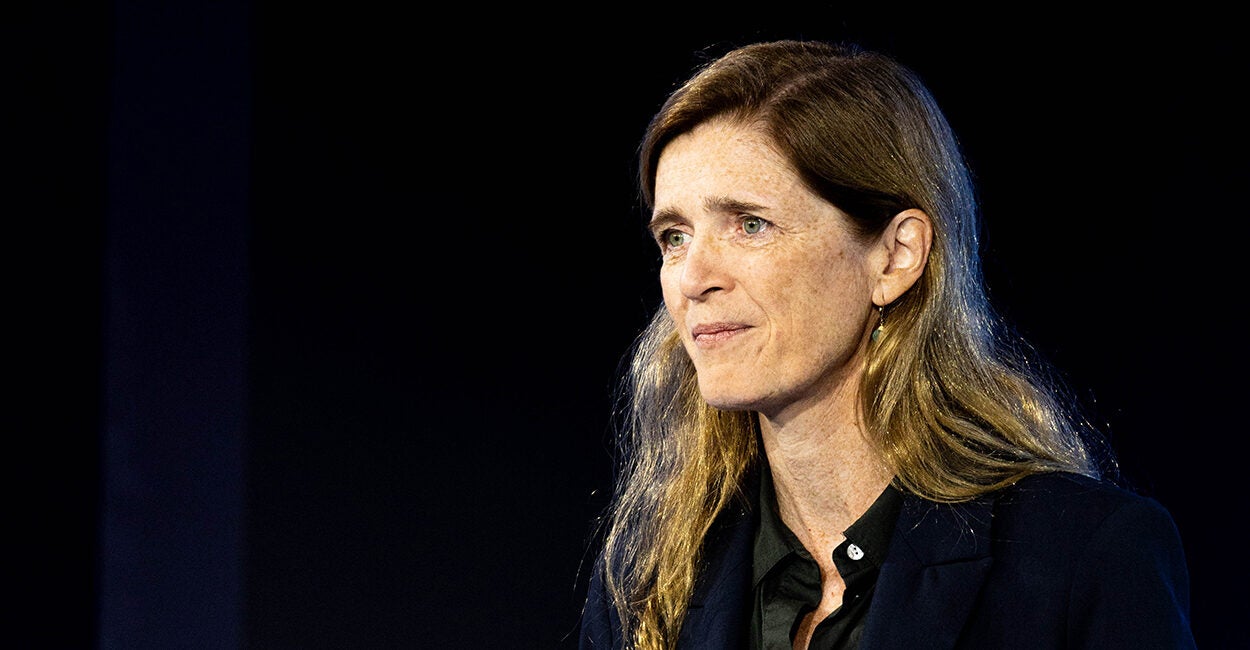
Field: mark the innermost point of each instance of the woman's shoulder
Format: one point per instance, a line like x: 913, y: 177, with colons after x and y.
x: 1096, y: 545
x: 1068, y: 490
x: 1080, y: 506
x: 1046, y: 516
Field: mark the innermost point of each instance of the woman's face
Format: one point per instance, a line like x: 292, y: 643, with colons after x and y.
x: 770, y: 292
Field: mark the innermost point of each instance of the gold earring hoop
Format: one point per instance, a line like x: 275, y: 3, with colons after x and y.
x: 876, y: 333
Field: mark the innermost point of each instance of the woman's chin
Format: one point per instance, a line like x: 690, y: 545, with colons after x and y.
x: 728, y: 399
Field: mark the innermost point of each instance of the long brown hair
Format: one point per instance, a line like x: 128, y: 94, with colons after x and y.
x: 955, y: 403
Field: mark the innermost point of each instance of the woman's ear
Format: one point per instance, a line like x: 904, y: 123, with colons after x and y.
x: 904, y: 247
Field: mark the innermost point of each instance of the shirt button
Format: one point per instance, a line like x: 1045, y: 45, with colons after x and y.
x: 854, y: 552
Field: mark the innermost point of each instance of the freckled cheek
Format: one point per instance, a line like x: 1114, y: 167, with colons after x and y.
x: 806, y: 295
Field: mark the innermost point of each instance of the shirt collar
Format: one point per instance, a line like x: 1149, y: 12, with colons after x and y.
x: 873, y: 530
x: 774, y: 540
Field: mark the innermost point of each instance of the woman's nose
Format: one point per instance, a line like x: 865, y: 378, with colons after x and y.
x: 705, y: 268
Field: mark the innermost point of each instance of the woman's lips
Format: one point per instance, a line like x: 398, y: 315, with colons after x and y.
x: 715, y: 333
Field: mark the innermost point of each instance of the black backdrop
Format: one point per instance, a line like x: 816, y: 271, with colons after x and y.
x: 334, y: 296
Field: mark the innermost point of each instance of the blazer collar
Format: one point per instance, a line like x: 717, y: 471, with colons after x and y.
x: 938, y: 558
x: 719, y: 615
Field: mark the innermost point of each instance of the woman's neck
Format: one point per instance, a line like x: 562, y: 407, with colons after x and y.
x: 825, y: 472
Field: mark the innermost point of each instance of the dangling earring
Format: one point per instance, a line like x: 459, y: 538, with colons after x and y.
x: 876, y: 333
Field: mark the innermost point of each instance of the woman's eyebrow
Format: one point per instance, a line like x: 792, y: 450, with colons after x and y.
x: 663, y: 217
x: 730, y: 205
x: 714, y: 204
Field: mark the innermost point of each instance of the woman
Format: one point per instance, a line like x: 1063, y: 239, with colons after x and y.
x: 832, y: 440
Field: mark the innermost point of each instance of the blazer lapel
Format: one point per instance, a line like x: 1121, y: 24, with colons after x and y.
x: 937, y: 560
x: 718, y: 617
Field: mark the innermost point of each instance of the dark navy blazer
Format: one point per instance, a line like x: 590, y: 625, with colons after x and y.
x: 1054, y: 561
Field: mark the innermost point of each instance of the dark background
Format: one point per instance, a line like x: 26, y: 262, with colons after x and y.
x: 318, y: 309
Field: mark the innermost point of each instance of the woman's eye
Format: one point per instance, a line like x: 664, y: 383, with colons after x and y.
x: 674, y: 238
x: 752, y: 225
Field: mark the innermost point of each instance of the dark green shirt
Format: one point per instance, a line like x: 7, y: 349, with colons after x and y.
x: 787, y: 579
